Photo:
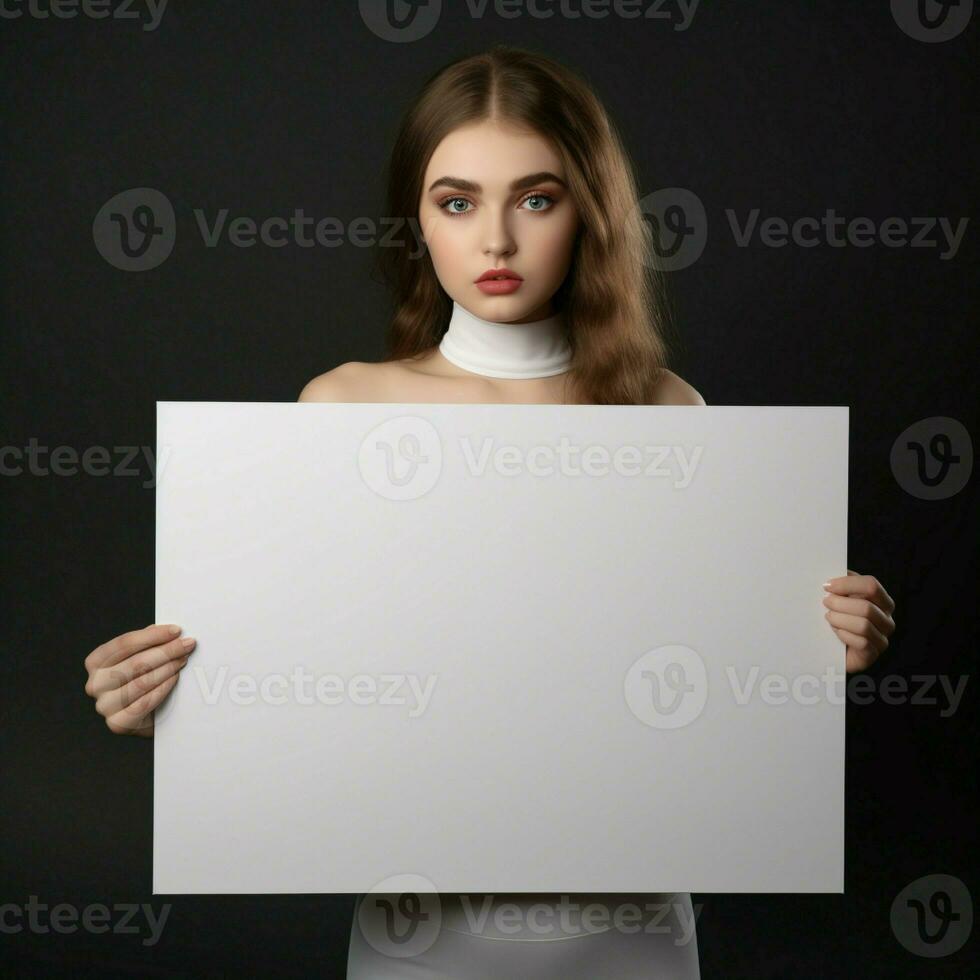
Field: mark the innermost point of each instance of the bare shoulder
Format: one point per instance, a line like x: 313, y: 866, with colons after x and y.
x: 674, y: 390
x: 353, y: 381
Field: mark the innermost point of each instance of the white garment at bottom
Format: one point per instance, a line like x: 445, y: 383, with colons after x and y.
x: 628, y: 937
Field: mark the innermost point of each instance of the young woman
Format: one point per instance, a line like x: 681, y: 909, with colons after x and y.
x: 534, y: 286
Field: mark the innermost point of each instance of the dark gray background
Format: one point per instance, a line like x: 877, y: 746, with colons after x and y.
x: 789, y: 107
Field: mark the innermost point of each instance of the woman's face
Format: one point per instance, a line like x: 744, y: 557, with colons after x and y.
x: 494, y: 198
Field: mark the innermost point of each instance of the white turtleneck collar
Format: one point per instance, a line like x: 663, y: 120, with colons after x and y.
x: 507, y: 350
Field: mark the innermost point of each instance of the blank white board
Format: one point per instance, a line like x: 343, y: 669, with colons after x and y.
x: 500, y: 648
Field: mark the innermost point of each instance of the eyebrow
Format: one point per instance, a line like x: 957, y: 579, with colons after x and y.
x: 459, y: 184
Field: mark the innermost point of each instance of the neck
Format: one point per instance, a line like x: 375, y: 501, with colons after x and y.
x: 539, y: 349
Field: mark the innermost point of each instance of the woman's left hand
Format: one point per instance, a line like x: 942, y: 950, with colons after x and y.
x: 860, y: 613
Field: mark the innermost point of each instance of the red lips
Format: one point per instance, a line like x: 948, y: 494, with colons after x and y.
x: 495, y: 273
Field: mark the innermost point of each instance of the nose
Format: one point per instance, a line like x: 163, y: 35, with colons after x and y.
x: 498, y: 238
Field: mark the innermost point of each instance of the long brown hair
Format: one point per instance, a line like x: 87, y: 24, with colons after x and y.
x: 612, y: 298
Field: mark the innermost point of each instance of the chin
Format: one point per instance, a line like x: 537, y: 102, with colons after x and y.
x: 503, y: 308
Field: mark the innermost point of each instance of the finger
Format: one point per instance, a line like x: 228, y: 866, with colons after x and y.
x: 863, y: 586
x: 113, y: 701
x: 858, y: 627
x: 146, y: 729
x: 107, y: 678
x: 862, y: 607
x: 132, y: 720
x: 126, y: 644
x: 859, y: 655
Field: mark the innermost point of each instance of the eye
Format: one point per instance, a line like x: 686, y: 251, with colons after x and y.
x: 539, y: 198
x: 541, y: 202
x: 447, y: 205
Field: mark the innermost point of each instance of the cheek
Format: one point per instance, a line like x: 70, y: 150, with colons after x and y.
x: 553, y: 241
x: 444, y: 251
x: 432, y: 232
x: 442, y: 233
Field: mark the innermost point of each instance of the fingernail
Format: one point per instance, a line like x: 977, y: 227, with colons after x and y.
x: 827, y: 585
x: 187, y: 642
x: 174, y: 630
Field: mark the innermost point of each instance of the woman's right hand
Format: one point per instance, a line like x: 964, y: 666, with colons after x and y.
x: 132, y: 673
